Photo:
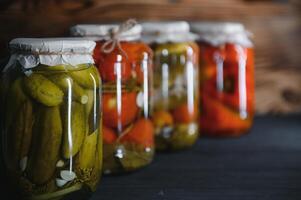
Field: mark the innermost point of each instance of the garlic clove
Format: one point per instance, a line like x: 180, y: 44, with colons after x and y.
x: 139, y: 100
x: 68, y: 175
x: 60, y: 163
x: 84, y: 99
x: 23, y: 163
x: 60, y: 182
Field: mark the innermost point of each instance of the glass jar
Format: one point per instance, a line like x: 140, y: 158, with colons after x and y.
x: 125, y: 69
x: 175, y: 114
x: 51, y: 137
x: 227, y: 78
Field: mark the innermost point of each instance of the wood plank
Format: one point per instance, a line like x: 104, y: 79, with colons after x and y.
x: 275, y: 24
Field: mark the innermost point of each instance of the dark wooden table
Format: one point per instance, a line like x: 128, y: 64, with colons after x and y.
x: 265, y: 164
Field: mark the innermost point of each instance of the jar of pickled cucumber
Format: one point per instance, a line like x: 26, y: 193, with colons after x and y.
x: 227, y: 78
x: 51, y: 128
x: 124, y: 63
x: 175, y: 114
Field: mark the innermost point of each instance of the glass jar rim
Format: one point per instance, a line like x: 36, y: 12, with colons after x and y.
x: 62, y: 68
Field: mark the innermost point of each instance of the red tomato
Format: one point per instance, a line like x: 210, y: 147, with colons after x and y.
x: 107, y: 62
x: 129, y: 109
x: 109, y: 136
x: 142, y: 133
x: 137, y: 52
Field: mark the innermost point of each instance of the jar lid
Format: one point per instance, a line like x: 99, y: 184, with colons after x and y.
x: 163, y: 32
x: 30, y: 52
x: 52, y: 45
x: 218, y: 33
x: 103, y: 31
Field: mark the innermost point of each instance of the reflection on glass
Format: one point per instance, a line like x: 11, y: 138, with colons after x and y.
x: 242, y: 81
x: 220, y: 71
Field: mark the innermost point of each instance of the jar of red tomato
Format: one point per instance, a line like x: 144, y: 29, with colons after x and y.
x: 124, y: 63
x: 175, y: 114
x: 227, y: 78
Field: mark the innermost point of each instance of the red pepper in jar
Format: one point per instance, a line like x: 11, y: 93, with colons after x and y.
x: 227, y: 78
x: 182, y: 114
x: 221, y: 120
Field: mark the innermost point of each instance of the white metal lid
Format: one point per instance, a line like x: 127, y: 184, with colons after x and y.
x: 218, y: 33
x: 30, y: 52
x: 102, y: 31
x: 162, y: 32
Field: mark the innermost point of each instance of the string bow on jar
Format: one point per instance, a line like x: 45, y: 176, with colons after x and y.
x: 116, y: 35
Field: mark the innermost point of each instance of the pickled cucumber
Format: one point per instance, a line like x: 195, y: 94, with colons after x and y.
x: 90, y: 103
x: 75, y: 129
x: 66, y: 83
x: 91, y: 108
x: 21, y: 133
x: 43, y: 90
x: 96, y: 172
x: 87, y: 78
x: 16, y: 97
x: 27, y: 112
x: 88, y: 152
x: 46, y: 147
x: 89, y: 160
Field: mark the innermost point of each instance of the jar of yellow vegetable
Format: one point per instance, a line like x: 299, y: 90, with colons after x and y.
x: 175, y: 95
x: 52, y: 144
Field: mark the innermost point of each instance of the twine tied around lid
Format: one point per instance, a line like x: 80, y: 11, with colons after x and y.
x: 115, y: 35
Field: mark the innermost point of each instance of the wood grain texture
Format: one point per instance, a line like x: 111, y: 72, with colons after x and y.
x: 276, y: 26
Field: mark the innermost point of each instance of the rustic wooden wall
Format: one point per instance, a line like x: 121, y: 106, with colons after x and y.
x: 275, y: 24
